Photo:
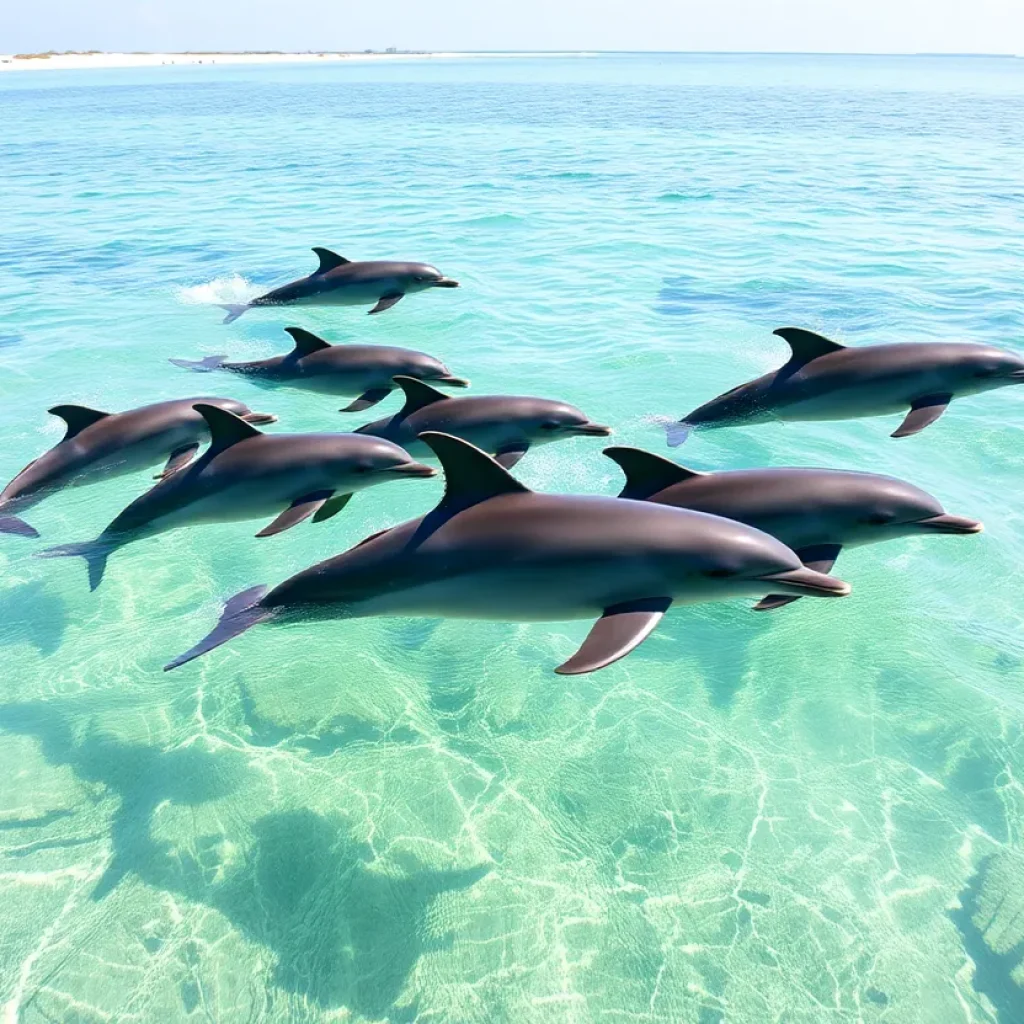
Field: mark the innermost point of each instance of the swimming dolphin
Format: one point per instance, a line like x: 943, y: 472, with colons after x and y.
x: 245, y: 474
x: 816, y: 512
x: 503, y: 425
x: 492, y: 549
x: 315, y: 365
x: 341, y: 282
x: 101, y: 445
x: 824, y: 380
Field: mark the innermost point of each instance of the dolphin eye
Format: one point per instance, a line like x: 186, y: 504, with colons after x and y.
x: 550, y: 425
x: 877, y: 519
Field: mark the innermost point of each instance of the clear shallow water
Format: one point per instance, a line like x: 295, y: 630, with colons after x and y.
x: 813, y: 816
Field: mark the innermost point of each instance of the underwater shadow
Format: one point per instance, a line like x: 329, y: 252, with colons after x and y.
x: 993, y: 972
x: 343, y: 932
x: 30, y: 613
x: 340, y: 732
x: 717, y: 638
x: 776, y: 302
x: 142, y: 777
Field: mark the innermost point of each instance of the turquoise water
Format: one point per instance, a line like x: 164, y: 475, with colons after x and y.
x: 811, y: 816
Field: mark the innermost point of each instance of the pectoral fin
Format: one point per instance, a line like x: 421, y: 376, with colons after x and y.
x: 621, y: 628
x: 509, y: 454
x: 331, y: 507
x: 179, y: 457
x: 923, y: 412
x: 296, y: 512
x: 385, y: 302
x: 366, y: 399
x: 820, y: 557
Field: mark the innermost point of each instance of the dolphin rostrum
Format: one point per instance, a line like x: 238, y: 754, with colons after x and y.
x: 824, y: 380
x: 316, y: 365
x: 246, y: 474
x: 341, y: 282
x: 492, y: 549
x: 502, y: 425
x: 816, y: 512
x: 101, y: 445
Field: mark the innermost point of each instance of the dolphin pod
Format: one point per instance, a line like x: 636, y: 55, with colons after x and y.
x: 101, y: 445
x: 823, y: 380
x: 816, y: 512
x: 341, y: 282
x: 493, y: 549
x: 316, y: 365
x: 246, y: 474
x: 505, y: 426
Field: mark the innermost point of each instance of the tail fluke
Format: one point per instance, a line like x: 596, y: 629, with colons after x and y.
x: 200, y: 365
x: 240, y: 613
x: 235, y: 310
x: 95, y: 553
x: 677, y: 433
x: 12, y: 524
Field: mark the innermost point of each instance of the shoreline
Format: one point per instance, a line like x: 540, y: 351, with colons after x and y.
x: 98, y: 60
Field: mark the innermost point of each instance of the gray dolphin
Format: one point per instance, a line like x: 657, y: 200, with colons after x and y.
x: 492, y: 549
x: 816, y: 512
x: 824, y: 380
x: 502, y: 425
x: 245, y: 474
x: 341, y: 282
x: 316, y: 365
x: 101, y: 445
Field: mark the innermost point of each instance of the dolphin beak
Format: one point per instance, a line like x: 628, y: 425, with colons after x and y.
x: 259, y: 418
x: 806, y: 582
x: 951, y: 524
x: 592, y: 430
x: 1018, y: 376
x: 413, y: 469
x: 446, y: 282
x: 452, y: 382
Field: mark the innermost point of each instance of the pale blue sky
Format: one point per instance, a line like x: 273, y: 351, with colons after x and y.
x: 881, y: 26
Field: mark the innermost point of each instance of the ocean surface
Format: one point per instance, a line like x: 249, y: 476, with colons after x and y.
x: 811, y: 816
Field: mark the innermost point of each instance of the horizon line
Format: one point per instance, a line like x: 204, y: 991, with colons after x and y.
x: 25, y: 55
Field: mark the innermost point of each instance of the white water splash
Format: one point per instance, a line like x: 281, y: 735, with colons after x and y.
x: 221, y: 290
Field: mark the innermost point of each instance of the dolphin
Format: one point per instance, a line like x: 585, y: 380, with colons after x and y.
x: 816, y: 512
x: 101, y: 445
x: 492, y: 549
x: 316, y: 365
x: 341, y: 282
x: 246, y: 474
x: 824, y: 380
x: 503, y: 425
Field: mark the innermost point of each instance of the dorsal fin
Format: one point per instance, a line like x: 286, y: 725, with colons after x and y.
x: 646, y: 473
x: 226, y: 428
x: 418, y: 394
x: 328, y: 260
x: 306, y: 343
x: 470, y: 475
x: 77, y: 417
x: 806, y: 345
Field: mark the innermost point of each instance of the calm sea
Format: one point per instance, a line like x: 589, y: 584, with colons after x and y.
x: 813, y: 816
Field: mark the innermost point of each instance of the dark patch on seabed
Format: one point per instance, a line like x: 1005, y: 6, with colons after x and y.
x: 343, y: 932
x: 993, y: 972
x: 774, y: 302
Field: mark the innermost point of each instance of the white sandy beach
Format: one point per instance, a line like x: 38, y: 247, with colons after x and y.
x: 82, y: 61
